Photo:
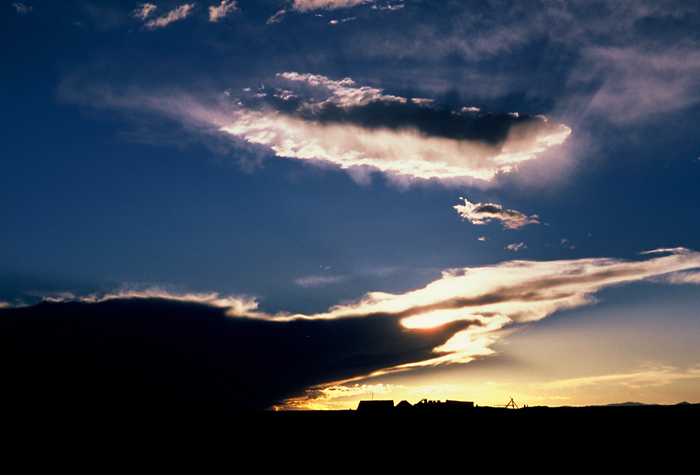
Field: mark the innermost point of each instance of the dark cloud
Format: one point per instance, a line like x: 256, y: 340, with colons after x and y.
x: 490, y: 128
x: 323, y: 100
x: 163, y: 354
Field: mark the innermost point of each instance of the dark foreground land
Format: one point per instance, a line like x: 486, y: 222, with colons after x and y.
x: 550, y: 440
x: 604, y: 421
x: 646, y: 430
x: 661, y: 416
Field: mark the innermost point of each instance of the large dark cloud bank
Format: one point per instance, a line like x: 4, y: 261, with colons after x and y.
x: 163, y: 354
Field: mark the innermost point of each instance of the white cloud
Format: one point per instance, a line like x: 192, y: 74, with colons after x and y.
x: 309, y: 5
x: 484, y: 213
x: 226, y: 7
x: 344, y: 20
x: 485, y: 299
x: 143, y: 11
x: 177, y: 14
x: 388, y: 7
x: 407, y: 146
x: 516, y: 247
x: 343, y: 93
x: 22, y: 8
x: 403, y: 152
x: 277, y: 17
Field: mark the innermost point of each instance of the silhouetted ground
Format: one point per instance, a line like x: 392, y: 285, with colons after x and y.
x: 560, y: 439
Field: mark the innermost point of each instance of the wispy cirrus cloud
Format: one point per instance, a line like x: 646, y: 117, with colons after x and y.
x: 309, y: 5
x: 647, y: 376
x: 318, y: 280
x: 143, y: 11
x: 633, y: 83
x: 277, y: 17
x: 618, y: 63
x: 216, y: 13
x: 179, y: 13
x: 483, y: 213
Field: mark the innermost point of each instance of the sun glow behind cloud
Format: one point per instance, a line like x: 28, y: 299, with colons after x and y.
x: 484, y: 299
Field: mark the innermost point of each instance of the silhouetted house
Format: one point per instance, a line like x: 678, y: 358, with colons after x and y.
x: 375, y: 406
x: 423, y: 406
x: 459, y: 404
x: 428, y: 405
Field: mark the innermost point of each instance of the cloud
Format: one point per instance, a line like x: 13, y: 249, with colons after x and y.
x: 143, y: 11
x: 649, y: 376
x: 344, y: 20
x: 179, y: 13
x: 277, y: 17
x: 165, y: 353
x: 388, y: 7
x: 309, y: 5
x: 22, y: 8
x: 316, y: 281
x: 226, y: 7
x: 359, y: 129
x: 161, y: 349
x: 619, y: 62
x: 484, y: 213
x: 487, y: 298
x: 630, y: 84
x: 516, y: 247
x: 490, y: 298
x: 344, y: 93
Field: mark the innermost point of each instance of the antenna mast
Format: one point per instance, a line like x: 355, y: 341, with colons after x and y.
x: 511, y: 404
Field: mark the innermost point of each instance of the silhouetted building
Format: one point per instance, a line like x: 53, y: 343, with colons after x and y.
x: 435, y: 406
x: 375, y: 406
x: 459, y: 404
x: 423, y: 405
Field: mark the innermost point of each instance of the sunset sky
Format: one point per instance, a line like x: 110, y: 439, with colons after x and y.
x: 365, y: 198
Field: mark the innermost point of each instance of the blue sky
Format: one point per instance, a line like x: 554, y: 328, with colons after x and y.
x: 520, y: 177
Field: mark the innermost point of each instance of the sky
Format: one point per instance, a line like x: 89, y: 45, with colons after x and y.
x: 300, y: 204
